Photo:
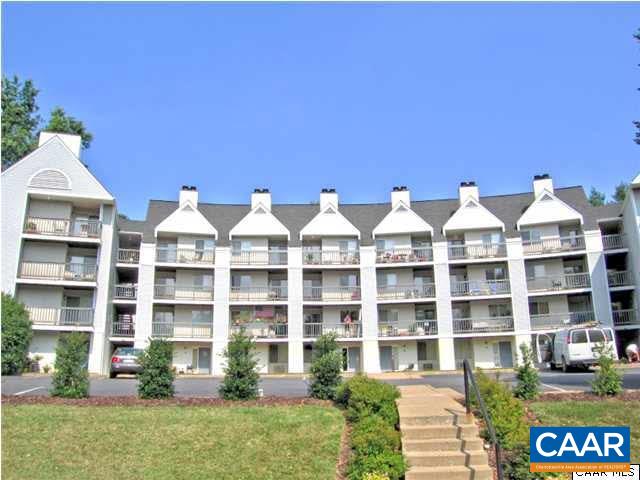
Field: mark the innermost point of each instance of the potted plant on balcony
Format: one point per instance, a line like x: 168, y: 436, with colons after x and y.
x: 31, y: 227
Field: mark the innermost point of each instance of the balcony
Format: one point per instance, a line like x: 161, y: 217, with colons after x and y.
x: 128, y: 255
x: 61, y: 316
x: 63, y: 227
x: 185, y: 255
x: 483, y: 325
x: 331, y: 294
x: 625, y: 317
x: 263, y: 330
x: 77, y: 272
x: 614, y: 241
x: 406, y: 292
x: 553, y: 245
x: 480, y: 287
x: 331, y: 257
x: 123, y: 326
x: 342, y: 330
x: 125, y: 292
x: 419, y: 328
x: 560, y: 320
x: 620, y: 279
x: 405, y: 255
x: 260, y: 257
x: 472, y: 252
x: 568, y: 281
x: 258, y: 294
x: 184, y: 292
x: 181, y: 329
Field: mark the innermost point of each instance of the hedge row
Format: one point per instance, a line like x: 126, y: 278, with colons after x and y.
x: 375, y: 441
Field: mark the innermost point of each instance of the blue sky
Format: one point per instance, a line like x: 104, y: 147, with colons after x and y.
x: 360, y: 97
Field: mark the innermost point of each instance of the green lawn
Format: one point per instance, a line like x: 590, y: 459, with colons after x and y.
x: 172, y: 442
x: 609, y: 412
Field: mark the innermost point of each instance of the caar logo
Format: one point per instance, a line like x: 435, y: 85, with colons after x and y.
x: 580, y: 449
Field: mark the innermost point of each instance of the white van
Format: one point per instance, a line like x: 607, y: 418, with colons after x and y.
x: 574, y: 347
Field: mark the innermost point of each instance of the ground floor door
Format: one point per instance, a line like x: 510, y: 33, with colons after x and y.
x: 506, y: 356
x: 351, y: 359
x: 386, y: 359
x: 204, y: 360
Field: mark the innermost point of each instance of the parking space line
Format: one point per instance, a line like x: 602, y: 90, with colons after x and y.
x: 553, y: 387
x: 27, y: 391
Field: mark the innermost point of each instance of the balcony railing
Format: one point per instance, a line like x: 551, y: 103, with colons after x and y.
x: 260, y: 257
x: 553, y: 245
x: 263, y: 330
x: 625, y: 317
x: 58, y: 271
x: 480, y: 287
x: 560, y: 320
x: 565, y: 281
x: 63, y: 227
x: 331, y: 294
x: 128, y: 255
x: 399, y: 292
x: 123, y: 326
x: 331, y: 257
x: 125, y: 292
x: 485, y: 250
x: 184, y: 292
x: 61, y: 316
x: 342, y: 330
x: 482, y: 325
x: 185, y: 255
x: 258, y: 294
x: 181, y: 329
x: 405, y: 255
x: 420, y: 327
x: 614, y: 241
x: 619, y: 279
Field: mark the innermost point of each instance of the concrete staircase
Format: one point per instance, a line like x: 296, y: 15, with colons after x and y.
x: 439, y: 439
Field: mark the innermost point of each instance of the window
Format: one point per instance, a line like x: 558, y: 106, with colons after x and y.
x: 500, y: 310
x: 422, y: 278
x: 387, y: 279
x: 163, y: 316
x: 425, y: 314
x: 203, y: 280
x: 491, y: 238
x: 241, y: 280
x: 496, y: 273
x: 573, y: 266
x: 238, y: 246
x: 538, y: 308
x: 579, y: 336
x: 312, y: 317
x: 273, y: 353
x: 349, y: 280
x: 388, y: 316
x: 596, y: 336
x: 382, y: 245
x: 459, y: 311
x: 535, y: 270
x: 347, y: 245
x: 530, y: 235
x: 201, y: 317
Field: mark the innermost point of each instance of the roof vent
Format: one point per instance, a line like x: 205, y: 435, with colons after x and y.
x: 542, y: 176
x: 185, y: 187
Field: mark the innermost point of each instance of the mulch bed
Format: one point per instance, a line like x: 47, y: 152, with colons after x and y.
x: 626, y: 396
x: 179, y: 401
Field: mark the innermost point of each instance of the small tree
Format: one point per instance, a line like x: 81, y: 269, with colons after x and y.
x: 596, y: 198
x: 607, y: 380
x: 528, y: 386
x: 16, y: 335
x: 70, y: 376
x: 326, y: 368
x: 620, y: 192
x: 240, y: 376
x: 156, y: 378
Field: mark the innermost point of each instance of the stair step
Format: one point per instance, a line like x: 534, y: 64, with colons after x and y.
x: 418, y: 417
x: 416, y: 432
x: 473, y: 472
x: 442, y: 459
x: 442, y: 445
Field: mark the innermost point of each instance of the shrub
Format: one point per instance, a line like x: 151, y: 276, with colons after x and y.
x: 363, y: 396
x: 71, y: 378
x: 156, y: 378
x: 373, y: 435
x: 391, y: 464
x: 528, y: 386
x: 375, y: 476
x: 16, y: 336
x: 326, y: 369
x: 240, y: 375
x: 607, y: 380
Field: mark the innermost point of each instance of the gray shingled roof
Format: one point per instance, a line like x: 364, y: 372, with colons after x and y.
x: 366, y: 217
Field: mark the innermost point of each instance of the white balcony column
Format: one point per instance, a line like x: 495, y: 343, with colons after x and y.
x: 518, y: 284
x: 519, y: 340
x: 441, y: 277
x: 221, y: 286
x: 144, y: 303
x: 294, y: 310
x: 599, y: 280
x: 369, y: 313
x: 446, y: 354
x: 102, y: 305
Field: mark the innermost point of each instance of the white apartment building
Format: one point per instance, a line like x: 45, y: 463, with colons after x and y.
x: 406, y: 285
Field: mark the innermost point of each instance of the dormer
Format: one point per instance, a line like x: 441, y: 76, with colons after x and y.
x: 471, y: 215
x: 329, y: 222
x: 546, y: 207
x: 401, y: 219
x: 187, y: 219
x: 260, y: 222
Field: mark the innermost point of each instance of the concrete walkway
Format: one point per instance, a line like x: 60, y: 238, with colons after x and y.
x: 439, y: 439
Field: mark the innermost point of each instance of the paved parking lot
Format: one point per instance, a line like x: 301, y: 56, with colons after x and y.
x: 297, y: 386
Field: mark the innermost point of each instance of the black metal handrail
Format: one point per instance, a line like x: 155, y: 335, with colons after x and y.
x: 469, y: 378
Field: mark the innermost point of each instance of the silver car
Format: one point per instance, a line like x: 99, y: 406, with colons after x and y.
x: 125, y: 360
